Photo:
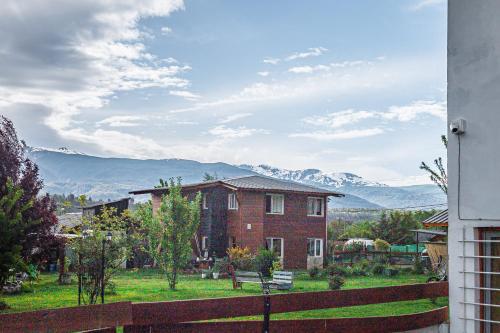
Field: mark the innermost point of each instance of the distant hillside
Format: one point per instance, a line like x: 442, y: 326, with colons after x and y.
x: 65, y: 171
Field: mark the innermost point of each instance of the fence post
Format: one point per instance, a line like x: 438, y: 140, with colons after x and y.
x: 267, y: 304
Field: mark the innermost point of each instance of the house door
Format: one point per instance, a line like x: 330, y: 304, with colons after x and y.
x: 492, y: 282
x: 314, y: 253
x: 277, y: 246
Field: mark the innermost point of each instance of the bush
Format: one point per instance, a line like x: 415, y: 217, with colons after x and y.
x: 378, y: 268
x: 264, y: 261
x: 3, y: 306
x: 381, y: 245
x: 358, y: 270
x: 335, y: 269
x: 314, y: 272
x: 240, y: 258
x: 335, y: 282
x: 418, y: 267
x: 276, y: 266
x: 391, y: 271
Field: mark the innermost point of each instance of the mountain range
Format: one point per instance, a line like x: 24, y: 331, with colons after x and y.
x: 66, y: 171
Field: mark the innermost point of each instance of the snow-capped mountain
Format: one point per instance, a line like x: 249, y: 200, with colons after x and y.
x: 360, y: 193
x: 67, y: 171
x: 312, y: 176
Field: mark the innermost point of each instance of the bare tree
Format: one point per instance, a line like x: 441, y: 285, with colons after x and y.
x: 438, y: 176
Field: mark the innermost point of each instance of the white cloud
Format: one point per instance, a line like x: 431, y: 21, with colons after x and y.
x: 410, y: 112
x: 232, y: 133
x: 308, y: 69
x: 185, y: 94
x: 311, y: 52
x: 420, y: 4
x: 354, y: 78
x: 338, y: 135
x: 264, y: 74
x: 271, y: 61
x: 165, y: 30
x: 234, y: 117
x: 122, y: 121
x: 99, y: 52
x: 345, y: 118
x: 339, y: 119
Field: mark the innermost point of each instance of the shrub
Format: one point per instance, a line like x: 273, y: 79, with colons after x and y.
x: 418, y: 267
x: 381, y: 245
x: 240, y: 258
x: 3, y: 306
x: 378, y: 268
x: 358, y: 270
x: 335, y: 269
x: 276, y: 266
x: 314, y: 272
x: 264, y: 261
x: 335, y: 282
x: 391, y: 271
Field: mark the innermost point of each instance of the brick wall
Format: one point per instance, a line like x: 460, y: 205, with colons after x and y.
x: 295, y: 227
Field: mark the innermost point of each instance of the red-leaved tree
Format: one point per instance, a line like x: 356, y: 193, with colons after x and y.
x: 14, y: 165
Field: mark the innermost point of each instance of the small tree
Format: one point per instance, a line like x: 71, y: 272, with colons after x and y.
x: 171, y: 230
x: 88, y: 251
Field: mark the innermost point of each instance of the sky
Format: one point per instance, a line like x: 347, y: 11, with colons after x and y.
x: 341, y: 86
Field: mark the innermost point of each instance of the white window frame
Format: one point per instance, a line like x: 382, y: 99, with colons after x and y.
x: 204, y: 241
x: 320, y: 248
x: 273, y: 195
x: 205, y: 205
x: 322, y: 200
x: 229, y: 206
x: 282, y: 245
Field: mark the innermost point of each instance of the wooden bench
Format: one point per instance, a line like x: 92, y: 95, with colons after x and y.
x: 240, y: 277
x: 282, y: 280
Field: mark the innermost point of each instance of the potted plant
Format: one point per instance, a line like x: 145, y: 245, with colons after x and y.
x: 205, y: 273
x: 218, y: 266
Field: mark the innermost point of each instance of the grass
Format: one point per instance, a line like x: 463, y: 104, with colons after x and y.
x: 151, y: 286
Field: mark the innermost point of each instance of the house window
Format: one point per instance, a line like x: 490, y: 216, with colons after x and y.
x: 275, y: 203
x: 205, y: 206
x: 204, y: 243
x: 315, y: 206
x: 314, y: 247
x: 276, y: 245
x: 491, y: 281
x: 232, y: 202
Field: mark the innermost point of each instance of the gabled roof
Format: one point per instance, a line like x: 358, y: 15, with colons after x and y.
x: 437, y: 220
x: 253, y: 183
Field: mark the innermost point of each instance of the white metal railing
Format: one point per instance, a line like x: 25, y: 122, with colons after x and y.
x: 477, y: 301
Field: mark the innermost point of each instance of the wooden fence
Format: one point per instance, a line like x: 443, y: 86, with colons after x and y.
x: 181, y: 316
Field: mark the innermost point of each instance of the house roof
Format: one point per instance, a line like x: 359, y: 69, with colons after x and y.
x: 107, y: 203
x: 255, y: 183
x: 437, y: 220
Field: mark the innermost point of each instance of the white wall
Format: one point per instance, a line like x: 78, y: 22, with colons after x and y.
x: 474, y: 94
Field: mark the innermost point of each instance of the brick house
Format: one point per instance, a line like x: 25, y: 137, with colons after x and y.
x: 258, y: 211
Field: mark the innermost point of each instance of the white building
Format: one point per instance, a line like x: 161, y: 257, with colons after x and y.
x: 474, y: 165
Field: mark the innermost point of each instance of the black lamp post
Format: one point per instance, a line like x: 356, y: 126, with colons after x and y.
x: 108, y: 237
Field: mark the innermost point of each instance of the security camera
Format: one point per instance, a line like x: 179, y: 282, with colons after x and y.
x: 457, y: 126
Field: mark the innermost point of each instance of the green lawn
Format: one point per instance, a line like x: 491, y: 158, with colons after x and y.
x: 150, y: 286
